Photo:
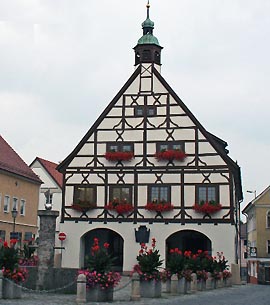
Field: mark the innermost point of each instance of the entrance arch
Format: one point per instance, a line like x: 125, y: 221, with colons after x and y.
x: 105, y: 236
x: 189, y: 240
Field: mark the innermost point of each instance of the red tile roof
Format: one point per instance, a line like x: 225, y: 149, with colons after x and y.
x: 11, y: 162
x: 51, y: 169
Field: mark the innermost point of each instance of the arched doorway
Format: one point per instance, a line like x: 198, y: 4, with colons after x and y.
x: 189, y: 240
x: 106, y: 236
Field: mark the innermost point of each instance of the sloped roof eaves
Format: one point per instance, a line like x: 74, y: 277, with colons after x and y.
x: 64, y: 164
x: 50, y: 168
x: 215, y: 141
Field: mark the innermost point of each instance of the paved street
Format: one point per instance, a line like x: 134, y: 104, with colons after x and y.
x: 237, y: 295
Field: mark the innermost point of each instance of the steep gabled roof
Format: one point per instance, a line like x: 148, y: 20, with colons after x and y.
x: 50, y: 167
x: 216, y: 142
x: 11, y: 162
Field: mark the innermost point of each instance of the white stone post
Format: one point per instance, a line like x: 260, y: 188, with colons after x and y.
x: 209, y: 282
x: 135, y: 288
x: 81, y: 289
x: 174, y: 284
x: 193, y: 286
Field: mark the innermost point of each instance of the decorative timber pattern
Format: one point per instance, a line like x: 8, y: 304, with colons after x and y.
x: 145, y: 114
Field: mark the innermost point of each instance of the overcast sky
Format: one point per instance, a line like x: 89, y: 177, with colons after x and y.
x: 63, y: 61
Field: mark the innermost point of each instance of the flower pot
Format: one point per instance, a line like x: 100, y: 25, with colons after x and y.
x: 182, y: 286
x: 97, y: 294
x: 150, y: 289
x: 11, y: 290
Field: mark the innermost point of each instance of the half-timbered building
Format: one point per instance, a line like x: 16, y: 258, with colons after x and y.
x: 148, y: 168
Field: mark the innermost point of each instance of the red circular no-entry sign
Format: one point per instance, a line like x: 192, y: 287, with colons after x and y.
x: 62, y: 236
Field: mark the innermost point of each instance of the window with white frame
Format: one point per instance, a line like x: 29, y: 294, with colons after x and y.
x: 15, y: 204
x: 6, y: 204
x: 22, y: 207
x: 268, y: 219
x: 268, y: 247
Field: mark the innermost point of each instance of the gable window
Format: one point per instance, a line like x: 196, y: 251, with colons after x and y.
x: 207, y: 193
x: 22, y: 207
x: 139, y: 111
x: 159, y: 194
x: 268, y: 219
x: 120, y: 147
x: 165, y: 146
x: 121, y: 194
x: 85, y: 196
x: 6, y: 204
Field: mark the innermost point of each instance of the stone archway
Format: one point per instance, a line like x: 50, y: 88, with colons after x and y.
x: 109, y: 236
x: 189, y: 240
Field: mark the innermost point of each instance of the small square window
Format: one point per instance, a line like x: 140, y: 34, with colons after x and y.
x: 123, y: 194
x: 138, y: 111
x: 163, y: 146
x: 85, y: 196
x: 207, y: 193
x: 141, y: 110
x: 120, y: 147
x: 159, y: 194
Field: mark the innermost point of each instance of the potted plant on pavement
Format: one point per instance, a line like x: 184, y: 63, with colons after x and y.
x: 148, y: 266
x: 100, y: 279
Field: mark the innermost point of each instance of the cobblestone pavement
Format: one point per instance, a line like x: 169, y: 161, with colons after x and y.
x: 236, y: 295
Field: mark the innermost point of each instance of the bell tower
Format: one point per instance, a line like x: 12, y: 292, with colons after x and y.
x: 148, y: 49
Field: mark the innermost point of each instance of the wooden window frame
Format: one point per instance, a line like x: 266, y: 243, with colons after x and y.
x: 119, y: 145
x: 170, y: 145
x: 111, y: 187
x: 75, y: 191
x: 206, y: 186
x: 149, y: 192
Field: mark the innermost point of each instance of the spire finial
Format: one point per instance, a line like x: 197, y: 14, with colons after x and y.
x: 148, y: 7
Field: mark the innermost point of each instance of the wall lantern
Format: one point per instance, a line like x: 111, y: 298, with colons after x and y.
x: 142, y: 235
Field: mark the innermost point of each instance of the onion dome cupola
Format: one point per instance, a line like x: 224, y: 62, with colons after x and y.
x: 148, y: 49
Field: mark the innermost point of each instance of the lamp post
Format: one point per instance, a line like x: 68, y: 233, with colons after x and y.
x: 253, y: 192
x: 14, y: 214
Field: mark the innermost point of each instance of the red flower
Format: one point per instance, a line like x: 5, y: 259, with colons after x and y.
x: 159, y: 207
x: 120, y: 207
x: 170, y: 155
x: 119, y: 155
x: 207, y: 207
x: 5, y: 244
x: 106, y: 245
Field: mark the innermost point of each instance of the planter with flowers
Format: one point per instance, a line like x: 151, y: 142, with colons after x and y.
x: 202, y: 276
x: 83, y: 206
x: 118, y: 156
x: 120, y: 206
x: 170, y: 155
x: 12, y: 273
x: 156, y: 206
x: 226, y: 274
x: 206, y: 207
x: 148, y: 266
x: 100, y: 279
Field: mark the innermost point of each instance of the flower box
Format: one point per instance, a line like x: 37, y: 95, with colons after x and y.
x: 119, y: 156
x: 170, y: 155
x: 159, y: 207
x: 207, y: 207
x: 83, y: 206
x: 120, y: 207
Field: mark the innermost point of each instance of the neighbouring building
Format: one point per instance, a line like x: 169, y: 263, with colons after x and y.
x: 50, y: 193
x: 258, y: 238
x: 19, y: 196
x: 140, y: 169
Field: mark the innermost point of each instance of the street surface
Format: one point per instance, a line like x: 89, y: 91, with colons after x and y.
x: 236, y: 295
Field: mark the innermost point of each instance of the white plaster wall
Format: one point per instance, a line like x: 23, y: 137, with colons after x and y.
x: 222, y: 237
